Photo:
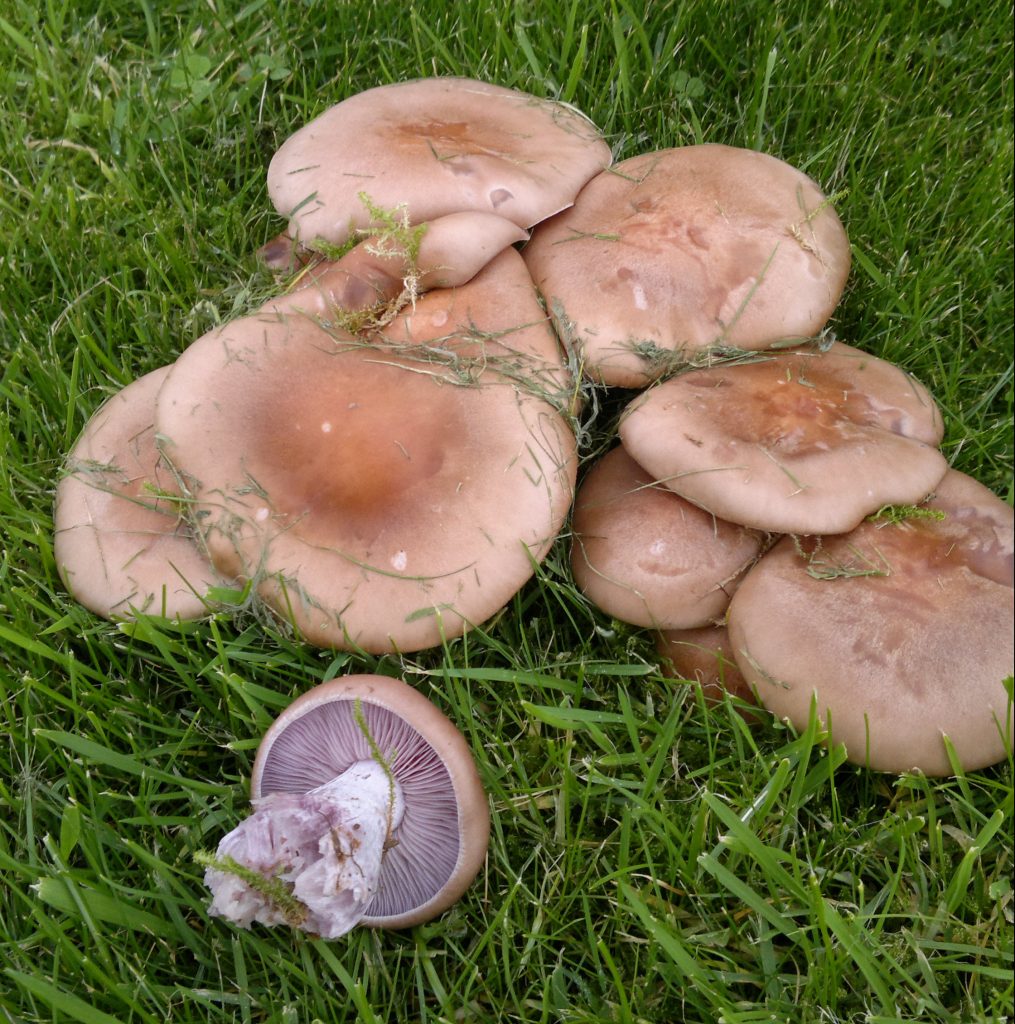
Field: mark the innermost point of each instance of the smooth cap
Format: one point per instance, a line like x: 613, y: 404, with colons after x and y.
x: 677, y: 252
x: 120, y: 543
x: 801, y: 441
x: 644, y: 555
x: 377, y: 499
x: 899, y: 632
x: 433, y: 146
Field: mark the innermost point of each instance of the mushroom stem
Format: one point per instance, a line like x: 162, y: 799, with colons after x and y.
x: 309, y: 860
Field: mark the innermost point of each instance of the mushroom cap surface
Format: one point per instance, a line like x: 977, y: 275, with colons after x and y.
x: 672, y: 253
x: 494, y: 321
x: 901, y: 633
x: 377, y: 500
x: 798, y: 441
x: 705, y: 656
x: 436, y: 146
x: 442, y: 839
x: 120, y: 544
x: 451, y: 250
x: 646, y: 556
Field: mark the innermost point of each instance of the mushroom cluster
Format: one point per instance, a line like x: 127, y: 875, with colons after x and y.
x: 878, y: 594
x: 383, y: 452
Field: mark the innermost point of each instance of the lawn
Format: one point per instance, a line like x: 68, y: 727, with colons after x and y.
x: 652, y: 859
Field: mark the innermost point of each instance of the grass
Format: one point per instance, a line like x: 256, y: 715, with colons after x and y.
x: 652, y: 859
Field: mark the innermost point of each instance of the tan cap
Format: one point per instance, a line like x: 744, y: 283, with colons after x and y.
x: 436, y: 146
x: 495, y: 322
x: 378, y: 500
x: 800, y: 441
x: 646, y: 556
x: 441, y: 841
x: 120, y: 544
x: 673, y: 253
x: 379, y: 272
x: 900, y: 632
x: 704, y: 656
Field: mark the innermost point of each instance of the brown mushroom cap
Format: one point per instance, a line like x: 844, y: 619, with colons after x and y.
x: 438, y: 146
x: 441, y: 842
x: 901, y: 633
x: 672, y: 253
x: 705, y: 656
x: 646, y: 556
x: 378, y: 500
x: 451, y: 251
x: 494, y: 321
x: 799, y: 441
x: 120, y: 544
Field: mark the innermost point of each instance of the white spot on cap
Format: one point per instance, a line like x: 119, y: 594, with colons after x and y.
x: 262, y: 513
x: 658, y: 547
x: 439, y: 318
x: 640, y: 300
x: 399, y: 560
x: 325, y: 427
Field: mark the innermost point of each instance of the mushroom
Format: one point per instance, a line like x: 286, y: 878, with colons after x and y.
x: 120, y: 543
x: 378, y: 498
x: 646, y: 556
x: 437, y: 145
x: 899, y: 633
x: 382, y: 273
x: 496, y: 322
x: 368, y: 809
x: 800, y: 441
x: 674, y: 253
x: 704, y: 655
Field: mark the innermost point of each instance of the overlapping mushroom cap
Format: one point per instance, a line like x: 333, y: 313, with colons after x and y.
x: 378, y: 272
x: 704, y: 655
x: 900, y: 631
x: 799, y: 441
x: 436, y: 146
x: 379, y: 499
x: 493, y: 322
x: 646, y: 556
x: 120, y: 543
x: 674, y: 252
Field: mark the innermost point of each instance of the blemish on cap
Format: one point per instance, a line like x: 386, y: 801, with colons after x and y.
x: 439, y: 318
x: 399, y: 560
x: 326, y: 427
x: 640, y: 301
x: 657, y: 547
x: 262, y: 513
x: 499, y: 196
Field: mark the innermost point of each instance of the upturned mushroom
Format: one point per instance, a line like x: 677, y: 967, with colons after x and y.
x: 644, y: 555
x: 378, y: 499
x: 368, y: 809
x: 671, y: 254
x: 899, y: 632
x: 800, y: 441
x: 120, y: 542
x: 439, y: 146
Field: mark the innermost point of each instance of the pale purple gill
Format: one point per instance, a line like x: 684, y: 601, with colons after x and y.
x: 324, y: 741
